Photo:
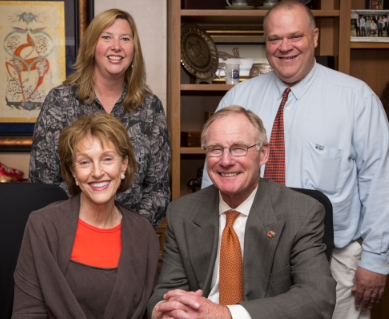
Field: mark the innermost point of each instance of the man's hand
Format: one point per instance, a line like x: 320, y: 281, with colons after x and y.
x: 368, y: 287
x: 190, y: 305
x: 163, y: 309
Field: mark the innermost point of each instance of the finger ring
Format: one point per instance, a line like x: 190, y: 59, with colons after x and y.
x: 373, y: 295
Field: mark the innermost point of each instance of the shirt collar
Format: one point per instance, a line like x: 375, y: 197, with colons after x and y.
x: 300, y: 88
x: 243, y: 208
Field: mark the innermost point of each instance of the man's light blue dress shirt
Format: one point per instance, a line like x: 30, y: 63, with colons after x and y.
x: 336, y: 141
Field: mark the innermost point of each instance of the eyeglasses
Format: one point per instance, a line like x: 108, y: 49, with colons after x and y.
x: 236, y: 150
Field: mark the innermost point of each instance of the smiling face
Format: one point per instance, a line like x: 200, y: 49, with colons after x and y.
x: 98, y: 169
x: 235, y: 177
x: 114, y: 50
x: 290, y: 44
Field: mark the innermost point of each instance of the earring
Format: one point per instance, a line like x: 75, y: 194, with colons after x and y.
x: 123, y: 176
x: 76, y: 182
x: 132, y: 65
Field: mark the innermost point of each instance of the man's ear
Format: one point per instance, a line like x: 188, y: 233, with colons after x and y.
x: 264, y: 154
x: 316, y: 36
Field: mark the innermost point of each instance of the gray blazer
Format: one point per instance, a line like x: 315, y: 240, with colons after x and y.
x: 290, y: 267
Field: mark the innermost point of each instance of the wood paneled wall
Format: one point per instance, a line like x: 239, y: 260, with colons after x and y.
x: 371, y: 66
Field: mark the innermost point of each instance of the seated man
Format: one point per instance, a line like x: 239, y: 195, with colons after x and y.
x: 243, y: 247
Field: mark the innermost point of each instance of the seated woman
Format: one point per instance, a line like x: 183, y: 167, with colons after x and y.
x: 88, y: 256
x: 109, y: 75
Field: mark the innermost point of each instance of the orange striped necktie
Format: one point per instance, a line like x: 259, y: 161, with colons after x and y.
x: 231, y: 268
x: 275, y: 166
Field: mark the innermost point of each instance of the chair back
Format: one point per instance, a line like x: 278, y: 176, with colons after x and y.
x: 17, y: 201
x: 328, y: 237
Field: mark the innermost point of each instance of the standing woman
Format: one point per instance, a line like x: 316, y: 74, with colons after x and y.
x: 373, y: 28
x: 109, y: 76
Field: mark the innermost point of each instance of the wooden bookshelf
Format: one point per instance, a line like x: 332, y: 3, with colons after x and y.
x: 369, y: 45
x: 191, y: 150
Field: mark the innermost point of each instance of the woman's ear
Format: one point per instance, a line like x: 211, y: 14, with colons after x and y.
x: 125, y: 164
x: 73, y: 172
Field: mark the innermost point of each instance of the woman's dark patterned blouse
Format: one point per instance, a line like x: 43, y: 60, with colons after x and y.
x: 146, y: 126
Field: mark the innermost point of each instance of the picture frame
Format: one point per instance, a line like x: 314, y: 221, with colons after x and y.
x: 24, y: 52
x: 377, y: 4
x: 369, y: 26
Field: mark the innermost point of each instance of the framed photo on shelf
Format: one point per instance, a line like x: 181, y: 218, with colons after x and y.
x: 369, y: 26
x: 39, y: 44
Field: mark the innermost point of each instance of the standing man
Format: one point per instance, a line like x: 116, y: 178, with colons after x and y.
x: 357, y: 28
x: 251, y: 247
x: 367, y: 27
x: 380, y: 27
x: 336, y: 140
x: 362, y: 25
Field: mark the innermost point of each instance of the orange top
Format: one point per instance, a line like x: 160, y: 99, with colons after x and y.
x: 97, y: 247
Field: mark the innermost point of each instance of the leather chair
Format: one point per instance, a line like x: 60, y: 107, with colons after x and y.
x: 17, y: 201
x: 328, y: 237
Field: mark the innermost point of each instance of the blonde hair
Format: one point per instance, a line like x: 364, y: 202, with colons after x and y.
x: 83, y: 75
x: 106, y: 128
x: 260, y: 131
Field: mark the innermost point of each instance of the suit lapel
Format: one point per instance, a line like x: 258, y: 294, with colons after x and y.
x: 67, y: 230
x: 202, y: 239
x: 259, y: 248
x: 128, y: 292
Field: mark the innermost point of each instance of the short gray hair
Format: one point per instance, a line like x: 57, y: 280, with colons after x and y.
x: 289, y: 5
x: 260, y: 131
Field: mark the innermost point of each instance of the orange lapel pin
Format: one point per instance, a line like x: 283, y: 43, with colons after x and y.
x: 271, y: 233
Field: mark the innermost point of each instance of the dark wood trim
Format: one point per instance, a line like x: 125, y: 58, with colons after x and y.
x: 15, y: 143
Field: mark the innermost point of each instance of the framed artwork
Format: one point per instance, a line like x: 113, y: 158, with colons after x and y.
x: 377, y: 4
x: 39, y: 44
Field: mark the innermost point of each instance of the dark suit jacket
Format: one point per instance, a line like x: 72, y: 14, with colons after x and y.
x: 41, y: 288
x: 286, y: 276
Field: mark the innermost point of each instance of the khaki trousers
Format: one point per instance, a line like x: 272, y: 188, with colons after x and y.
x: 344, y: 264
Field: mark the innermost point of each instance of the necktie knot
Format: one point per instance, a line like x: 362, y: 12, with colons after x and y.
x: 231, y: 216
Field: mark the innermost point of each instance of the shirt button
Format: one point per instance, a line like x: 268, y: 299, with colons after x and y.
x: 288, y: 108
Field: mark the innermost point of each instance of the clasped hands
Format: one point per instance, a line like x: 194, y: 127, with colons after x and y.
x: 180, y: 304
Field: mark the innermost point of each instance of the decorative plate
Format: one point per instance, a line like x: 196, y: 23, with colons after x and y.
x: 198, y: 51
